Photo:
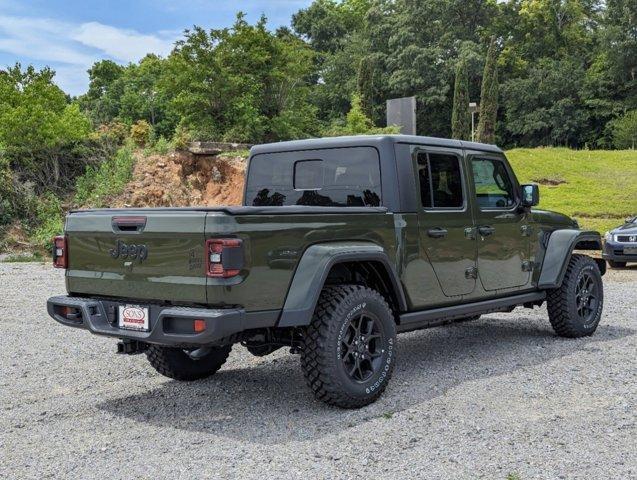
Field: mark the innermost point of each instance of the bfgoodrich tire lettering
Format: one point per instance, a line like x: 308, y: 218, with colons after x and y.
x: 350, y: 346
x: 575, y: 308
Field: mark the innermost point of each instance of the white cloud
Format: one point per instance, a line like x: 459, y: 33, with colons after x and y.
x: 40, y: 39
x: 125, y: 45
x: 71, y: 49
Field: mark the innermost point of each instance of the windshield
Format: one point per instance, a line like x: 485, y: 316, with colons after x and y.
x: 337, y: 177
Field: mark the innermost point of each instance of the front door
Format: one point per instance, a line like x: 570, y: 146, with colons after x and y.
x: 503, y: 231
x: 445, y: 220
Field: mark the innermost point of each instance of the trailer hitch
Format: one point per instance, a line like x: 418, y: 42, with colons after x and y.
x: 131, y: 347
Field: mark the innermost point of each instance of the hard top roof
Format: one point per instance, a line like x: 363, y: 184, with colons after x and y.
x: 368, y: 140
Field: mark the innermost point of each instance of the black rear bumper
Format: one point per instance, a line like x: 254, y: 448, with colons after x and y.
x: 168, y: 325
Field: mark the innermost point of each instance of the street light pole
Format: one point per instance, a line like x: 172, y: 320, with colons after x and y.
x: 473, y: 108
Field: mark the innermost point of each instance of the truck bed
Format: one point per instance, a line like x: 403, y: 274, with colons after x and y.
x: 174, y: 241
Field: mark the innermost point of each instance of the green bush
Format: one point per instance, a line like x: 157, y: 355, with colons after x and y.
x: 98, y: 184
x: 7, y: 194
x: 116, y: 132
x: 49, y: 215
x: 625, y: 130
x: 141, y: 132
x: 357, y: 123
x: 160, y: 147
x: 181, y: 138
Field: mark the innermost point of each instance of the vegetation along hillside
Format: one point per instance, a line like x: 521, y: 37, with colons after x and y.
x: 545, y: 73
x: 597, y: 187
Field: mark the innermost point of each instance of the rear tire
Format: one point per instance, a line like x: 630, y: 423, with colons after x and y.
x: 575, y: 308
x: 614, y: 264
x: 184, y: 365
x: 350, y: 347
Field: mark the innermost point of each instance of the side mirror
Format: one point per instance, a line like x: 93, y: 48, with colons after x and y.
x: 530, y: 195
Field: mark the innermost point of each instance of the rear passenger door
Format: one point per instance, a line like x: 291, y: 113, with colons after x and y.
x: 445, y: 219
x: 503, y: 229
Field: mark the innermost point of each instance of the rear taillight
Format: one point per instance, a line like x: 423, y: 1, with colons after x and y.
x: 60, y: 252
x: 224, y: 257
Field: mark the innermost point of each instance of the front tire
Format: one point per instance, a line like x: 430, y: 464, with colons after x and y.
x: 187, y: 365
x: 350, y: 346
x: 575, y: 308
x: 614, y: 264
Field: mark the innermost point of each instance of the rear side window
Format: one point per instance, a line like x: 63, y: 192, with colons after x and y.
x: 339, y: 177
x: 440, y: 180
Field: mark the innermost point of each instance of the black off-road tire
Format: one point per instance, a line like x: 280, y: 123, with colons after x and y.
x: 563, y: 302
x: 325, y: 354
x: 614, y: 264
x: 177, y: 364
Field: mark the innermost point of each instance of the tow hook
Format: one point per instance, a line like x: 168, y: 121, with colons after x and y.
x: 131, y: 347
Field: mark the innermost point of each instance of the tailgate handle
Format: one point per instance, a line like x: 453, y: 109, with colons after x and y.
x: 128, y: 224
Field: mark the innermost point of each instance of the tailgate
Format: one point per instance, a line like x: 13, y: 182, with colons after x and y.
x: 137, y: 254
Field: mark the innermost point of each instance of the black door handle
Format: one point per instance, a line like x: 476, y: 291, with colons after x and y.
x: 437, y: 232
x: 486, y: 231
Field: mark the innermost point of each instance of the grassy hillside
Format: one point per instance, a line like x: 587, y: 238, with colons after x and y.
x: 597, y: 187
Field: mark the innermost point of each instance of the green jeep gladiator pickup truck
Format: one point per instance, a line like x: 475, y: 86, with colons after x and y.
x: 341, y: 243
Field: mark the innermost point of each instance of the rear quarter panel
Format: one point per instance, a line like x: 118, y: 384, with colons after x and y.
x: 274, y: 245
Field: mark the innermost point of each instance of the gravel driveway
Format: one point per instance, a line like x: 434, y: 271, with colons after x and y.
x: 494, y: 398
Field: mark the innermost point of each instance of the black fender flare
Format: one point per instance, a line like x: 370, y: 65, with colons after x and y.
x: 313, y: 269
x: 558, y: 253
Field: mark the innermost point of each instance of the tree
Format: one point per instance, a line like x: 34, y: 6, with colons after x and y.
x: 102, y: 101
x: 460, y: 117
x: 545, y: 108
x: 415, y: 45
x: 619, y: 45
x: 489, y: 97
x: 334, y: 30
x: 36, y: 121
x: 327, y: 23
x: 365, y: 82
x: 142, y: 99
x: 242, y: 83
x: 625, y: 130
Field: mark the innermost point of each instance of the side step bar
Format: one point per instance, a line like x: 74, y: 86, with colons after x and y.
x: 440, y: 316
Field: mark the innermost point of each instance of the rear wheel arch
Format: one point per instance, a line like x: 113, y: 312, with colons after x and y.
x: 373, y: 274
x: 330, y: 264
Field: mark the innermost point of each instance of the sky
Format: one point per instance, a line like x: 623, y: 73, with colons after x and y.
x: 70, y: 35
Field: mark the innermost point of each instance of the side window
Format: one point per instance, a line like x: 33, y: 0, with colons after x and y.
x: 440, y: 180
x: 494, y: 188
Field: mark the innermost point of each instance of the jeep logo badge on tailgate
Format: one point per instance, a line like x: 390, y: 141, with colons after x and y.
x: 133, y: 251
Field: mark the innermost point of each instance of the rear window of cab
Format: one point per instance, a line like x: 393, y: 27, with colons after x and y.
x: 337, y: 177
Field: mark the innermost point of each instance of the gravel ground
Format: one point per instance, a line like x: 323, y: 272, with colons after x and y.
x: 497, y: 397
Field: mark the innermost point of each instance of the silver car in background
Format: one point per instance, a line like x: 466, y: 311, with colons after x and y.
x: 620, y: 244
